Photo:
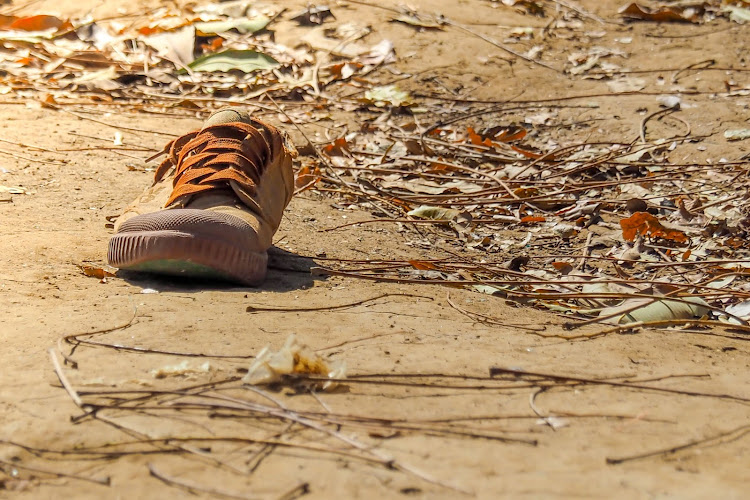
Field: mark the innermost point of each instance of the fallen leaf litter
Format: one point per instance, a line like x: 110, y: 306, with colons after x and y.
x: 613, y: 232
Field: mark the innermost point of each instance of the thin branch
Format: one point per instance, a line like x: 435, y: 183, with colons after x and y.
x: 570, y: 378
x: 731, y: 435
x: 193, y: 487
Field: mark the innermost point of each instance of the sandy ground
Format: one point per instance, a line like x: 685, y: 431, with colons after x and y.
x: 60, y: 224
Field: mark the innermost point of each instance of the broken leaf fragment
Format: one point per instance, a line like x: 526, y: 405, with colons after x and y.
x: 491, y: 290
x: 738, y: 14
x: 12, y: 189
x: 737, y: 135
x: 312, y: 15
x: 388, y: 95
x: 228, y: 60
x: 423, y: 265
x: 382, y: 53
x: 307, y: 177
x: 526, y: 6
x: 488, y: 136
x: 241, y: 25
x: 413, y: 19
x: 176, y: 45
x: 741, y: 311
x: 31, y: 29
x: 531, y: 219
x: 434, y: 213
x: 95, y: 272
x: 182, y: 369
x: 677, y: 13
x: 33, y: 23
x: 293, y: 359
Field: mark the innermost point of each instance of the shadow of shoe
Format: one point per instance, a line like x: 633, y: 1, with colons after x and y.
x: 287, y: 271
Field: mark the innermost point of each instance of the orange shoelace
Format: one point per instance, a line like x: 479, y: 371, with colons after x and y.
x: 211, y: 158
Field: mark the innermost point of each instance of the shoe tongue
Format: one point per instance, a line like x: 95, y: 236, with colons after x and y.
x: 212, y: 198
x: 226, y: 116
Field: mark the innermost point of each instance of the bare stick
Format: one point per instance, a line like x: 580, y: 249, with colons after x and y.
x: 500, y: 46
x: 64, y: 380
x: 192, y: 487
x: 74, y: 337
x: 296, y: 492
x: 372, y: 221
x: 104, y: 481
x: 735, y: 433
x: 570, y: 378
x: 546, y: 418
x: 642, y: 133
x: 581, y: 11
x: 290, y: 415
x: 121, y: 127
x: 481, y: 318
x: 329, y: 308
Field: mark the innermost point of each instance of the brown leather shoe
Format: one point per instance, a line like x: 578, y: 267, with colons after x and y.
x: 216, y: 202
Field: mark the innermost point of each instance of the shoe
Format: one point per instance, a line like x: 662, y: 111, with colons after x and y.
x: 216, y: 202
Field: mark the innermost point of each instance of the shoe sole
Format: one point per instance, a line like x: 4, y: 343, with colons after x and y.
x: 189, y: 243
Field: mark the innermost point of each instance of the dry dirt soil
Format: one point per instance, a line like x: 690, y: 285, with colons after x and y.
x: 61, y: 223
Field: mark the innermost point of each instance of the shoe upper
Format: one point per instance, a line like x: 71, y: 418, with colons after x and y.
x: 235, y: 165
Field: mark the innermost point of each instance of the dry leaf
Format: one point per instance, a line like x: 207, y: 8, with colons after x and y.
x: 12, y: 189
x: 434, y: 213
x: 181, y: 370
x: 337, y: 147
x: 382, y: 53
x: 527, y: 6
x: 645, y: 224
x: 413, y: 19
x: 680, y: 14
x: 645, y: 309
x: 531, y: 219
x: 626, y: 84
x: 307, y: 178
x: 422, y: 266
x: 33, y: 23
x: 313, y: 15
x: 95, y: 272
x: 737, y: 135
x: 388, y: 95
x: 246, y: 61
x: 293, y: 358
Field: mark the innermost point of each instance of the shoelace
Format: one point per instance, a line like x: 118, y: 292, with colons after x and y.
x: 209, y: 159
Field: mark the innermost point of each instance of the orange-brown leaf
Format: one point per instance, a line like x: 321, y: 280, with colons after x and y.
x: 337, y: 70
x: 526, y: 192
x: 422, y: 265
x: 663, y: 14
x: 511, y: 134
x: 213, y: 45
x: 530, y: 219
x: 527, y: 153
x: 337, y: 147
x: 405, y: 206
x: 562, y: 266
x: 95, y: 272
x: 477, y: 139
x: 645, y: 224
x: 36, y: 23
x: 306, y: 178
x: 6, y: 21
